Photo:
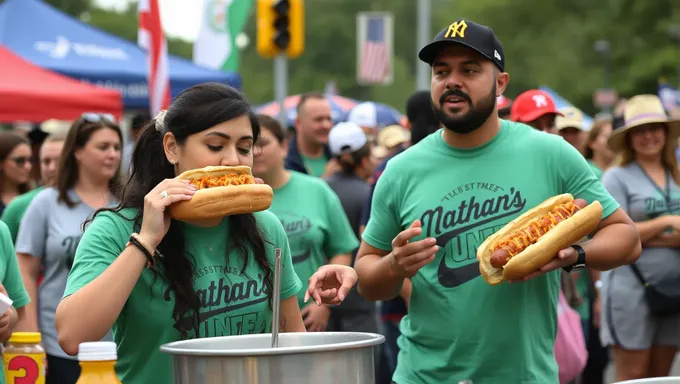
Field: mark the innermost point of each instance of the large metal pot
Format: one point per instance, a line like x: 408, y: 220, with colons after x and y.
x: 301, y: 358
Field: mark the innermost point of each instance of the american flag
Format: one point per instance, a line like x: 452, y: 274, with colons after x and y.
x: 375, y: 49
x: 152, y: 39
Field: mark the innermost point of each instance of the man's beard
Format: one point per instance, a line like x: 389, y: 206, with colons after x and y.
x: 472, y: 120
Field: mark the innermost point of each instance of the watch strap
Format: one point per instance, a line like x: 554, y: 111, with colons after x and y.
x: 580, y: 260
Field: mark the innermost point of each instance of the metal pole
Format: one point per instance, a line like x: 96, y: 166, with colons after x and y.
x: 422, y: 38
x: 281, y: 85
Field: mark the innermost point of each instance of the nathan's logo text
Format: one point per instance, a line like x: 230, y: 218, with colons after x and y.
x: 468, y: 187
x: 436, y: 221
x: 460, y: 231
x: 71, y: 244
x: 659, y: 206
x: 295, y: 225
x: 224, y: 292
x: 456, y: 29
x: 231, y: 303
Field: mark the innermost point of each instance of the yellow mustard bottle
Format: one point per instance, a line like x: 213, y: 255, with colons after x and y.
x: 24, y: 359
x: 97, y: 362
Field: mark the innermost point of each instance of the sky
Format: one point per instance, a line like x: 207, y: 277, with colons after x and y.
x: 178, y: 17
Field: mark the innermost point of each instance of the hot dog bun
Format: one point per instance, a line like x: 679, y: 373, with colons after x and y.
x: 220, y: 201
x: 536, y: 255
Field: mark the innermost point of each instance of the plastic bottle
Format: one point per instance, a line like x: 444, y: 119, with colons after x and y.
x: 97, y: 361
x: 24, y: 359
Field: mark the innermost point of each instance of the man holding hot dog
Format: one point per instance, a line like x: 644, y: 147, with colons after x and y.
x: 438, y: 201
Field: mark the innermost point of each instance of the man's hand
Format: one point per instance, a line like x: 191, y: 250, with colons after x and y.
x: 408, y: 258
x: 564, y: 258
x: 316, y: 317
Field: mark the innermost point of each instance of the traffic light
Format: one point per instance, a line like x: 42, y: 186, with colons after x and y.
x: 280, y: 28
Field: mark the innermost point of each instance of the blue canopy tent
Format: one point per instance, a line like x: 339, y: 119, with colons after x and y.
x: 45, y: 36
x: 561, y: 102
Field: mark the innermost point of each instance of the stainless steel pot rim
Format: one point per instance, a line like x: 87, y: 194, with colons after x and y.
x: 367, y: 340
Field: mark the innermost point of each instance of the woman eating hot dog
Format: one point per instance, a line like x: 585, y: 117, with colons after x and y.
x: 646, y: 183
x: 155, y: 280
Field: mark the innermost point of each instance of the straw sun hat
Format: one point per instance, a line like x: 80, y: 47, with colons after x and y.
x: 640, y: 110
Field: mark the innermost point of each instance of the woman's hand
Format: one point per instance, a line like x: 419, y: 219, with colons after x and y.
x: 155, y: 222
x: 331, y: 283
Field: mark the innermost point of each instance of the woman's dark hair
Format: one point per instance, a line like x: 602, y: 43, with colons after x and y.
x: 9, y: 141
x: 194, y: 110
x: 421, y: 115
x: 273, y: 126
x: 350, y: 161
x: 78, y: 136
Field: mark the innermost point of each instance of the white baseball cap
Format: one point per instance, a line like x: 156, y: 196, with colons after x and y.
x: 346, y: 137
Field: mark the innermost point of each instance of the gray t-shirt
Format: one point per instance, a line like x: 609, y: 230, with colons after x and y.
x: 353, y: 193
x: 51, y: 230
x: 643, y: 200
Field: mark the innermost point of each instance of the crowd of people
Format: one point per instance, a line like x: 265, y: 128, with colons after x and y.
x: 88, y: 251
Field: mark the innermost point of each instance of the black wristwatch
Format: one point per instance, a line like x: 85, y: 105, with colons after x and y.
x: 580, y: 261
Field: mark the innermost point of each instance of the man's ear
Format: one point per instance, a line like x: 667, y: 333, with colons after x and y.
x: 502, y: 81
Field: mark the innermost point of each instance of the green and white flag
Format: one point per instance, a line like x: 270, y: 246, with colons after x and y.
x: 223, y: 21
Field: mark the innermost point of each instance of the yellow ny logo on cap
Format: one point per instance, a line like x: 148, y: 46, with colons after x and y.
x: 457, y: 28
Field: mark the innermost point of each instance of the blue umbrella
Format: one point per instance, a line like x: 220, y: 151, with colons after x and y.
x: 561, y: 102
x: 372, y: 114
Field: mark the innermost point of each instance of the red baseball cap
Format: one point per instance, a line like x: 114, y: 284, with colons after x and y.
x: 503, y: 102
x: 531, y: 105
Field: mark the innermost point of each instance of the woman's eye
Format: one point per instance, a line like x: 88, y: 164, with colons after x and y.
x: 244, y: 151
x: 215, y: 148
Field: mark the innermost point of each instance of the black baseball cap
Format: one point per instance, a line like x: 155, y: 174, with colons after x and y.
x: 470, y: 34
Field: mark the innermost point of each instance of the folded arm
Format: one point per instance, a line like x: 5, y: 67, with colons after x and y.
x: 615, y: 243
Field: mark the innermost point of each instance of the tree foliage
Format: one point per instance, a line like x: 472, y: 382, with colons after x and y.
x: 547, y: 42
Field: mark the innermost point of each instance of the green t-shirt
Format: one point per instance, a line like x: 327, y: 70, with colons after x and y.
x: 233, y: 303
x: 14, y: 211
x: 583, y: 280
x: 315, y: 222
x: 597, y: 170
x: 315, y: 166
x: 458, y: 326
x: 10, y: 276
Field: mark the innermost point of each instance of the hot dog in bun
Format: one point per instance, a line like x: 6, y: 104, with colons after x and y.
x: 533, y: 239
x: 221, y: 191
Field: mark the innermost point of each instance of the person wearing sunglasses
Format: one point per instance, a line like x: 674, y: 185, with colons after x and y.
x: 50, y: 230
x: 50, y: 151
x: 15, y: 167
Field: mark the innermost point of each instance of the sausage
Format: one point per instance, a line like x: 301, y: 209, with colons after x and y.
x: 533, y: 232
x: 499, y: 258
